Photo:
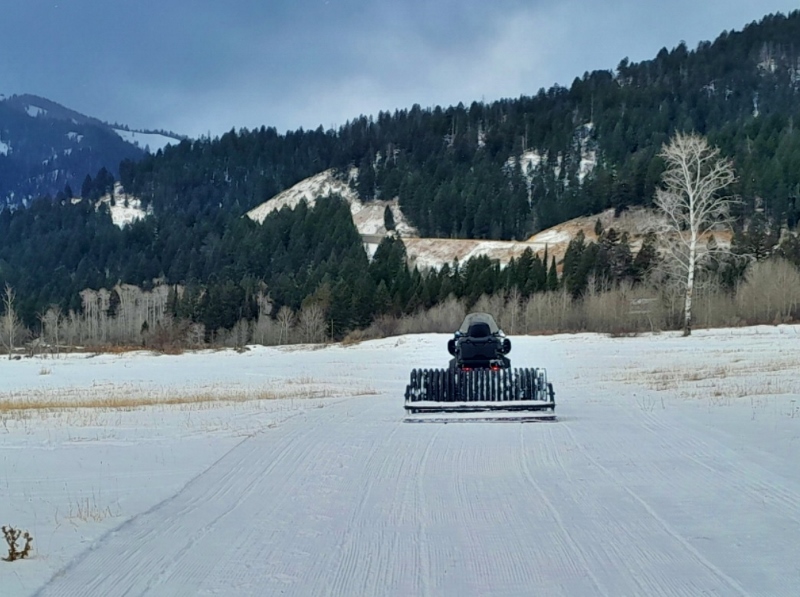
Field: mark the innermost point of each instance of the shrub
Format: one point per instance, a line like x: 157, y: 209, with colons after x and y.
x: 13, y: 536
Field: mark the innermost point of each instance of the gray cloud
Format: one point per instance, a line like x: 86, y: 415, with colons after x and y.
x: 202, y: 66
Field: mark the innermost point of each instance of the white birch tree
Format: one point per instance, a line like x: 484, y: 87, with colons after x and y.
x: 691, y: 202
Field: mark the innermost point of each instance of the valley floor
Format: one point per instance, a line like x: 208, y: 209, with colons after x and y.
x: 674, y: 469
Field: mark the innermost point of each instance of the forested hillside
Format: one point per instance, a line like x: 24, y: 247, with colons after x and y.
x: 46, y: 148
x: 462, y: 171
x: 499, y: 170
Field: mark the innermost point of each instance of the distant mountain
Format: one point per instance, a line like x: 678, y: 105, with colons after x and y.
x: 45, y: 146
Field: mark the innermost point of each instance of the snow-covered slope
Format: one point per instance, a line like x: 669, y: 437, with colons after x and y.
x: 435, y: 252
x: 151, y: 142
x: 674, y: 471
x: 368, y: 217
x: 423, y: 252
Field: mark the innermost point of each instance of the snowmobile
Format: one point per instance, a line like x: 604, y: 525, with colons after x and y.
x: 479, y: 383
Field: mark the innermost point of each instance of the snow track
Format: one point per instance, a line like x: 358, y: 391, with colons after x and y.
x: 611, y: 500
x: 364, y: 505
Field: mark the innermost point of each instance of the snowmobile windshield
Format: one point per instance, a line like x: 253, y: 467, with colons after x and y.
x: 477, y: 318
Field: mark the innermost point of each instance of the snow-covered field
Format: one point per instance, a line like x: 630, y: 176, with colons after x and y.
x: 674, y: 469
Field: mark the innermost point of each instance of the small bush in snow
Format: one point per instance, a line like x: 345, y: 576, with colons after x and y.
x: 13, y: 536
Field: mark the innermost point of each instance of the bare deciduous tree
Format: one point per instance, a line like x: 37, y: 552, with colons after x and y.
x: 692, y: 206
x: 9, y: 324
x: 513, y: 308
x: 239, y: 335
x: 285, y: 323
x: 195, y: 335
x: 51, y: 327
x: 312, y: 323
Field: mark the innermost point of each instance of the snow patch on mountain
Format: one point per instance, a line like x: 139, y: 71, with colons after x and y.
x: 151, y: 141
x: 433, y: 253
x: 588, y: 152
x: 531, y: 160
x: 34, y: 111
x: 587, y: 164
x: 125, y: 209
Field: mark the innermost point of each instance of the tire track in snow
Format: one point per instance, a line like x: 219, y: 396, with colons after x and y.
x: 332, y: 533
x: 423, y: 551
x: 190, y: 565
x: 366, y: 505
x: 489, y: 536
x: 748, y: 476
x: 719, y: 573
x: 347, y: 564
x: 610, y: 525
x: 569, y: 540
x: 627, y: 551
x: 756, y: 508
x: 242, y: 565
x: 140, y: 554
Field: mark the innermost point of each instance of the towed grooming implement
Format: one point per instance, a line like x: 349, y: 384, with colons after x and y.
x: 479, y: 384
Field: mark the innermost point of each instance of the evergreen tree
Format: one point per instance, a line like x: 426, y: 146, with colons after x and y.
x: 388, y: 218
x: 552, y: 276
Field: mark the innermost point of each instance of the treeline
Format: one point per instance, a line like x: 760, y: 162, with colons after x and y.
x: 51, y: 254
x: 304, y: 276
x: 128, y: 317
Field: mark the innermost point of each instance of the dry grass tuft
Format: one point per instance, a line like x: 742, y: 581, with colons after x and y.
x: 112, y: 349
x: 87, y: 510
x: 355, y: 337
x: 720, y: 383
x: 109, y: 397
x: 122, y: 402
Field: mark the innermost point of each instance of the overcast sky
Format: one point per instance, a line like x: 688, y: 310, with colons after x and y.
x: 201, y: 67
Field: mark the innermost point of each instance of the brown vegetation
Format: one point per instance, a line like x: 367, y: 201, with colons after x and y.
x: 768, y: 294
x: 15, y: 552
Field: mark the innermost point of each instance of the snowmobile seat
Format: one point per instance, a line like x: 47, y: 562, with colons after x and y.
x: 479, y: 347
x: 479, y: 330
